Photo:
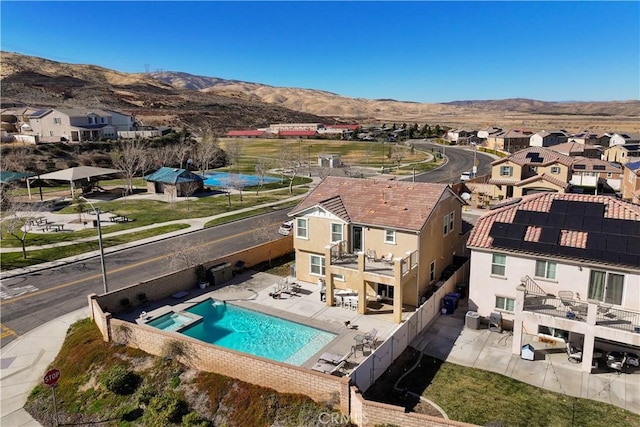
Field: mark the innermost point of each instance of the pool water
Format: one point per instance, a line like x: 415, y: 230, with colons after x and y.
x: 222, y: 179
x: 255, y: 333
x: 171, y: 321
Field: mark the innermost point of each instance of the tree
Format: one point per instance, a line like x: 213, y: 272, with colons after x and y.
x: 289, y: 163
x: 188, y: 188
x: 234, y: 150
x: 131, y: 158
x: 397, y: 154
x: 208, y: 152
x: 18, y: 217
x: 164, y: 156
x: 261, y: 168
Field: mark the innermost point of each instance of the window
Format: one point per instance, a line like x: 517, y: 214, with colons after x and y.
x: 57, y: 121
x: 448, y: 222
x: 338, y: 277
x: 432, y: 271
x: 336, y: 232
x: 555, y: 170
x: 506, y: 170
x: 301, y: 229
x: 498, y: 263
x: 504, y: 303
x: 317, y: 265
x: 546, y: 269
x: 103, y: 120
x: 390, y: 236
x: 606, y: 287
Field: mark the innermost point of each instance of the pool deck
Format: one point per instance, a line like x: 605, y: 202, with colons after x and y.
x: 251, y: 290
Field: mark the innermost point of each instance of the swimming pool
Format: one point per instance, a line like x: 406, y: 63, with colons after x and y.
x: 171, y: 321
x: 255, y: 333
x: 222, y: 179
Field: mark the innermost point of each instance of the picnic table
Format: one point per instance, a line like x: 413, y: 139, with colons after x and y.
x: 40, y: 220
x: 52, y: 226
x: 119, y: 218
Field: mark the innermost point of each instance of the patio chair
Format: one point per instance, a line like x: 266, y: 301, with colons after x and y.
x: 370, y: 337
x: 335, y: 359
x: 566, y: 297
x: 371, y: 255
x: 126, y: 304
x: 388, y: 258
x: 142, y: 298
x: 328, y: 368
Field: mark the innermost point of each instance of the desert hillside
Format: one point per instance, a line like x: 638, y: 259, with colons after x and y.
x: 181, y: 99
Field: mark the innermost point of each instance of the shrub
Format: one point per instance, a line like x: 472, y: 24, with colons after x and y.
x: 119, y: 380
x: 193, y: 419
x: 165, y: 408
x: 145, y: 393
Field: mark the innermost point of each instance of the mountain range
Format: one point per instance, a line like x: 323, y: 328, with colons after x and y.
x: 198, y: 102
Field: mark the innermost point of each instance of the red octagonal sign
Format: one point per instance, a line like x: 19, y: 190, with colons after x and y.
x: 51, y: 378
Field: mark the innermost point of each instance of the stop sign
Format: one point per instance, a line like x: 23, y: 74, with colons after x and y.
x: 51, y: 378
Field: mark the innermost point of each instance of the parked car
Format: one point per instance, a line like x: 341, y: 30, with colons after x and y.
x: 466, y: 176
x: 286, y: 228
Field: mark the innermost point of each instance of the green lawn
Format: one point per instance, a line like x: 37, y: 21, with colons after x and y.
x: 486, y: 398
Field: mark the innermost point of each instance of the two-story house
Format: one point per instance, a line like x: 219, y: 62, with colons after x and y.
x: 387, y: 240
x: 531, y: 170
x: 573, y: 149
x: 76, y: 124
x: 595, y: 175
x: 560, y: 269
x: 511, y: 141
x: 631, y: 182
x: 622, y: 153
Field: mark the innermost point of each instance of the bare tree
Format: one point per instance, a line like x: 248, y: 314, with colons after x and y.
x: 18, y: 160
x: 164, y: 156
x: 289, y: 163
x: 261, y: 168
x: 132, y: 159
x: 234, y: 150
x: 183, y: 255
x: 184, y: 147
x: 19, y: 217
x: 208, y: 152
x: 398, y: 152
x: 265, y: 230
x: 189, y: 188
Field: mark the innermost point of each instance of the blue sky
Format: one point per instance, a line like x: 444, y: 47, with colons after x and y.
x: 434, y: 51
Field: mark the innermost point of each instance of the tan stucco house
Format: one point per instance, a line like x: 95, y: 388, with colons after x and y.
x: 387, y: 240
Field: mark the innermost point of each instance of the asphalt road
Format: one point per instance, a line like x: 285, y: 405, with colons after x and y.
x: 459, y: 159
x: 32, y: 299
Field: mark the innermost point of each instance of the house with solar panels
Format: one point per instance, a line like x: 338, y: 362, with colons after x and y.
x: 631, y: 182
x: 560, y: 269
x: 377, y: 241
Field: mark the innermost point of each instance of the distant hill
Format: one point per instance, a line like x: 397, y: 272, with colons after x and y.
x: 199, y: 102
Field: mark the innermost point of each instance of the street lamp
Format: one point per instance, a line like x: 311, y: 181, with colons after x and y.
x: 104, y: 270
x: 309, y: 159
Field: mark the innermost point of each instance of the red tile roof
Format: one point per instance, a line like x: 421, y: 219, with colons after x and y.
x: 394, y: 204
x: 544, y: 155
x: 580, y: 235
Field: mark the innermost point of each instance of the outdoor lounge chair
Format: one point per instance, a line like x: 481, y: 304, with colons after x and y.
x: 388, y: 258
x: 370, y: 338
x: 328, y: 368
x: 371, y: 255
x: 335, y: 359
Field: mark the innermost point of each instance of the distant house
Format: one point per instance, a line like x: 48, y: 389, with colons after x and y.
x: 297, y: 133
x: 631, y: 182
x: 622, y: 153
x: 278, y: 127
x: 573, y: 149
x: 547, y: 138
x: 595, y: 175
x: 174, y: 182
x: 585, y: 137
x: 76, y: 124
x: 510, y: 141
x: 532, y: 170
x: 622, y: 138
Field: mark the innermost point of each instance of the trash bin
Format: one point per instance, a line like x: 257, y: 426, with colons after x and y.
x: 527, y: 352
x: 461, y: 288
x: 448, y: 305
x: 472, y: 320
x: 455, y: 296
x: 95, y: 223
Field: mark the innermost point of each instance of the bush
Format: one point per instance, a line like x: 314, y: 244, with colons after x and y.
x: 165, y: 408
x: 119, y: 380
x: 193, y: 419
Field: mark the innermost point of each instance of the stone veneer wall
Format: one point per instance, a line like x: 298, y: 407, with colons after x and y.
x: 281, y: 377
x: 368, y: 413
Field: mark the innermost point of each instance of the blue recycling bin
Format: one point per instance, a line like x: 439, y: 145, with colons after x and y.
x: 448, y: 305
x: 455, y: 296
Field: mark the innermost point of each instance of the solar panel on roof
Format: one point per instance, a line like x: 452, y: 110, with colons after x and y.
x: 550, y: 235
x: 592, y: 223
x: 629, y: 259
x: 498, y: 229
x: 537, y: 218
x: 593, y: 209
x: 516, y: 231
x: 629, y: 227
x: 610, y: 225
x: 616, y: 243
x: 573, y: 222
x: 522, y: 217
x: 579, y: 166
x: 555, y: 220
x: 559, y: 206
x: 598, y: 167
x: 596, y: 241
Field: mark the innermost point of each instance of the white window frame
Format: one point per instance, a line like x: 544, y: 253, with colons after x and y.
x: 304, y: 228
x: 338, y: 277
x: 503, y: 303
x: 495, y: 264
x: 555, y: 169
x: 606, y: 297
x: 448, y: 223
x: 390, y: 236
x: 549, y: 269
x: 57, y: 121
x: 335, y: 233
x: 317, y: 262
x: 506, y: 170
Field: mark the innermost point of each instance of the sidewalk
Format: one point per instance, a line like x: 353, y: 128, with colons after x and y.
x: 24, y: 362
